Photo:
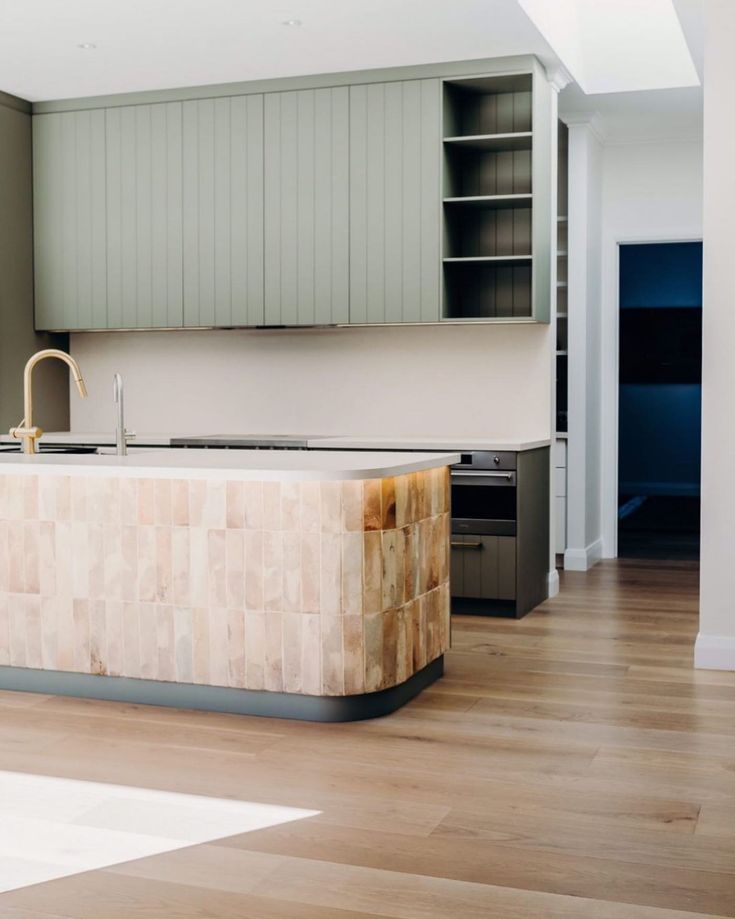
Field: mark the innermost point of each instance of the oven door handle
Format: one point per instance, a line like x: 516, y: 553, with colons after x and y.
x: 466, y: 545
x: 481, y: 474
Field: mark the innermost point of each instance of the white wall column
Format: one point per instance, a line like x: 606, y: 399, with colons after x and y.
x: 558, y: 79
x: 715, y: 648
x: 584, y: 538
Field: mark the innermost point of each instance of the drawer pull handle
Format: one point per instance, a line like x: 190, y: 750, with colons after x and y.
x: 466, y: 545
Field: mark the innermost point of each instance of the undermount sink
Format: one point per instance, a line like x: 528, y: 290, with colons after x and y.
x: 16, y: 448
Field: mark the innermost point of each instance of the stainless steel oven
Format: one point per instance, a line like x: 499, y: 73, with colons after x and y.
x: 484, y: 494
x: 500, y: 532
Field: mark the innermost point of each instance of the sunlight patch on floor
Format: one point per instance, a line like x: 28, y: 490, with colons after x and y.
x: 53, y: 827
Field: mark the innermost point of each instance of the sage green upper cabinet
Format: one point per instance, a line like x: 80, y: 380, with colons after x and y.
x: 306, y: 181
x: 223, y: 211
x: 395, y: 201
x: 406, y: 195
x: 69, y: 220
x: 144, y: 216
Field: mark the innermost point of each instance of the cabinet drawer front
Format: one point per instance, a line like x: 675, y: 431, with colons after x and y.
x: 483, y: 567
x: 560, y: 454
x: 560, y: 521
x: 560, y: 483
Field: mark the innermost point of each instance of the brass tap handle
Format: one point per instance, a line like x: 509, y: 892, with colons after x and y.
x: 22, y: 430
x: 29, y: 435
x: 19, y: 427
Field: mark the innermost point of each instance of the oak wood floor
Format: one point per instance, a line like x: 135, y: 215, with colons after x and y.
x: 571, y: 764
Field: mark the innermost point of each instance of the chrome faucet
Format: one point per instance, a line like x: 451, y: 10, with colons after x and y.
x: 121, y: 435
x: 26, y: 430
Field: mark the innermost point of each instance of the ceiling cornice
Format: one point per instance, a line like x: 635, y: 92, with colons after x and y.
x: 591, y: 120
x: 559, y: 77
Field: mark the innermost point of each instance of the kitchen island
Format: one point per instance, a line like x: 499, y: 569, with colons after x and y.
x: 296, y: 584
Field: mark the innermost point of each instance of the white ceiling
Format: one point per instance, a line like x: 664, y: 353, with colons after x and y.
x: 617, y: 45
x: 157, y: 44
x: 650, y: 115
x: 691, y: 17
x: 654, y: 115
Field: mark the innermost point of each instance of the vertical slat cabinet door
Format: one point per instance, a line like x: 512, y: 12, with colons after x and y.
x: 69, y: 220
x: 395, y: 202
x: 507, y: 567
x: 485, y: 562
x: 144, y: 216
x: 223, y: 212
x: 472, y: 566
x: 306, y: 178
x: 456, y: 566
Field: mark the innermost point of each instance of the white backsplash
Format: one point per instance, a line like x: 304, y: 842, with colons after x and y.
x: 472, y: 381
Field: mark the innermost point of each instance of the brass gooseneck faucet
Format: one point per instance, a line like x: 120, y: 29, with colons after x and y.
x: 26, y: 430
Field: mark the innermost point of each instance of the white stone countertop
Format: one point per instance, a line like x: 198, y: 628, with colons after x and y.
x: 439, y: 443
x: 243, y: 465
x: 96, y: 439
x: 463, y: 444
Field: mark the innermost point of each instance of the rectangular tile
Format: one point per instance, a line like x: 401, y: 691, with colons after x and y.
x: 184, y: 644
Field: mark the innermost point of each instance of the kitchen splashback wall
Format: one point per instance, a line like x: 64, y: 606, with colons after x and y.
x: 482, y: 380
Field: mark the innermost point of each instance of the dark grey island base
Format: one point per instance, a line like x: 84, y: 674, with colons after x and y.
x: 480, y: 606
x: 220, y: 698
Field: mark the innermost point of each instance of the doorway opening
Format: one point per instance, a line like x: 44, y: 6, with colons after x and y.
x: 660, y: 388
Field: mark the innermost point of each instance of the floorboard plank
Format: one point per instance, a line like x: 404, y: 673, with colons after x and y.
x: 571, y: 765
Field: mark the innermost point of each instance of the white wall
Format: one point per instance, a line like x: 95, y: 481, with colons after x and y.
x: 715, y: 646
x: 584, y: 503
x: 478, y: 380
x: 650, y: 192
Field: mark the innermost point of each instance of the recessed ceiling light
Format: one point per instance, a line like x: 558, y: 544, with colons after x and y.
x: 292, y: 22
x: 87, y: 46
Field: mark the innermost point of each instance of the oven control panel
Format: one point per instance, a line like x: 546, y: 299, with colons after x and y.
x: 483, y: 459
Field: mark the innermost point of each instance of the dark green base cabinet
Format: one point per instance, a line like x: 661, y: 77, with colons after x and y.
x: 484, y: 566
x: 505, y: 573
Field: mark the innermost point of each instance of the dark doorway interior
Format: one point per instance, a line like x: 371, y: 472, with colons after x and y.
x: 660, y: 400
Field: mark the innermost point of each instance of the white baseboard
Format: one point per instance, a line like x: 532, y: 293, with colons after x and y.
x: 714, y: 652
x: 583, y: 559
x: 553, y: 583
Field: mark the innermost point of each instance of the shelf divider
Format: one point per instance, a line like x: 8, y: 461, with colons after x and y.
x: 491, y: 259
x: 517, y: 140
x: 491, y: 201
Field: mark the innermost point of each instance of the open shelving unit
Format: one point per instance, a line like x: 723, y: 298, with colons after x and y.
x: 490, y: 226
x: 562, y: 330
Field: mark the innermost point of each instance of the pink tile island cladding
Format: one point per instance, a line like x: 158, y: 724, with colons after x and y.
x: 323, y: 588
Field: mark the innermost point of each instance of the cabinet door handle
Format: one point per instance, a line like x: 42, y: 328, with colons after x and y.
x: 466, y: 545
